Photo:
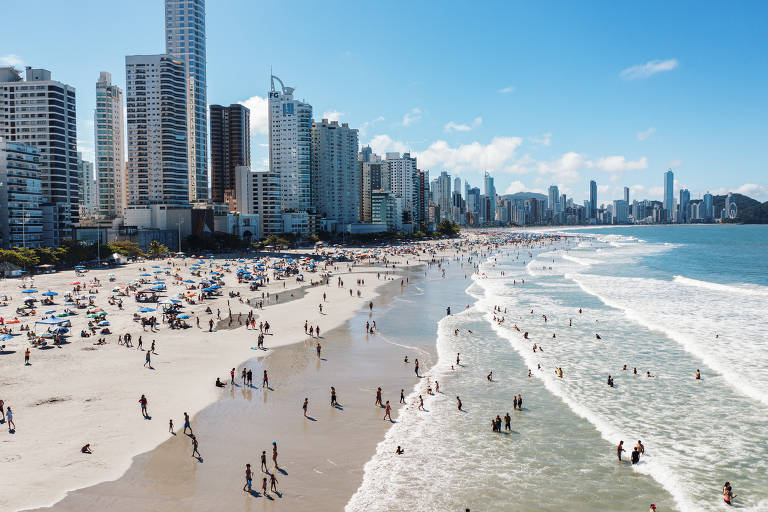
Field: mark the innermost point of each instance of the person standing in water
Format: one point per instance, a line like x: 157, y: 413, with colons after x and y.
x: 619, y: 449
x: 388, y: 411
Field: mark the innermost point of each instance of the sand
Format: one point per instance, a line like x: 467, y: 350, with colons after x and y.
x: 82, y: 393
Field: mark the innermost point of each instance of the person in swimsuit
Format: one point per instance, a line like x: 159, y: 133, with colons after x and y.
x: 274, y: 453
x: 399, y: 451
x: 458, y: 402
x: 387, y: 411
x: 334, y: 403
x: 619, y: 449
x: 143, y: 403
x: 698, y: 375
x: 9, y: 418
x: 248, y: 478
x: 304, y: 406
x: 378, y: 397
x: 273, y: 482
x: 421, y: 403
x: 186, y: 424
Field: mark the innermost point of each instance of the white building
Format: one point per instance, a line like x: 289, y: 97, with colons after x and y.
x: 21, y: 223
x: 402, y: 174
x: 87, y: 187
x: 259, y: 193
x: 109, y: 148
x: 41, y: 112
x: 290, y: 142
x: 156, y: 106
x: 335, y: 176
x: 185, y: 39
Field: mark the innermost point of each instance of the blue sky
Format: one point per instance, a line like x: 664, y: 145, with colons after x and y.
x: 538, y: 93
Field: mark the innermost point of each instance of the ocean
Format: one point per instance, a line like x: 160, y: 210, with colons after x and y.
x: 668, y: 300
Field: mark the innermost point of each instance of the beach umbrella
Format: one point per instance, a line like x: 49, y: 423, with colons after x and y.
x: 183, y: 316
x: 157, y: 272
x: 60, y: 330
x: 145, y: 274
x: 75, y: 282
x: 103, y: 323
x: 50, y: 293
x: 29, y: 291
x: 188, y: 281
x: 50, y: 312
x: 155, y: 266
x: 6, y: 337
x: 146, y: 310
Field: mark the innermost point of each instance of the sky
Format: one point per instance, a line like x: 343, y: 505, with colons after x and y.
x: 536, y: 93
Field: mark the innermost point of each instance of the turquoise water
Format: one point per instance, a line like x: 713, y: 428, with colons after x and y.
x: 666, y: 300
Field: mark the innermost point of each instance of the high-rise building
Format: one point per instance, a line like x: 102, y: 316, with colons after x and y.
x: 230, y: 149
x: 290, y: 143
x: 109, y: 148
x: 708, y: 206
x: 335, y: 176
x: 620, y: 212
x: 21, y: 193
x: 365, y: 154
x: 87, y: 187
x: 669, y: 194
x: 373, y: 176
x: 490, y: 194
x: 553, y: 199
x: 156, y: 106
x: 626, y: 194
x: 683, y: 207
x: 592, y: 199
x: 185, y: 39
x: 41, y: 112
x: 402, y: 170
x: 444, y: 195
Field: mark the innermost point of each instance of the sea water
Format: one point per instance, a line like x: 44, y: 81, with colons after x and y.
x: 666, y: 300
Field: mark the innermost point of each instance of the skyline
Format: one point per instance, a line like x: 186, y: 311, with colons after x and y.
x: 619, y: 106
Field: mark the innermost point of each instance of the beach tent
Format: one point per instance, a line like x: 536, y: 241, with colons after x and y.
x: 54, y: 321
x: 146, y: 310
x: 29, y: 291
x: 50, y: 294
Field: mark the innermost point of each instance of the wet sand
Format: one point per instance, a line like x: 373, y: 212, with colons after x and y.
x: 321, y: 459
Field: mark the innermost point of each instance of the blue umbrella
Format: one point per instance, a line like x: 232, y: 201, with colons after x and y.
x: 103, y: 323
x: 145, y: 274
x: 188, y: 281
x: 209, y: 289
x: 62, y: 330
x: 6, y: 337
x: 183, y: 316
x: 146, y: 310
x: 157, y: 271
x: 29, y: 291
x: 155, y: 266
x: 50, y: 293
x: 50, y: 312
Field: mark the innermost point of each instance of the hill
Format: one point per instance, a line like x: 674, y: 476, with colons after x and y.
x: 522, y: 196
x: 750, y: 211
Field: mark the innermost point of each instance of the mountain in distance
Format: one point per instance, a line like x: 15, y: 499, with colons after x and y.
x: 522, y: 196
x: 748, y: 210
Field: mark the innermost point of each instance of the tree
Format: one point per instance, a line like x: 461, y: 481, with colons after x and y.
x: 448, y: 228
x: 125, y: 248
x: 156, y: 249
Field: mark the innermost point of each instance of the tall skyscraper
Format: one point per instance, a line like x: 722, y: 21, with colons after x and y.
x: 21, y: 223
x: 109, y: 148
x: 709, y: 209
x: 553, y: 199
x: 87, y: 187
x: 41, y: 112
x: 185, y: 39
x: 365, y: 154
x: 402, y: 170
x: 156, y: 105
x: 373, y: 176
x: 592, y: 199
x: 444, y: 195
x: 669, y: 194
x: 626, y: 194
x: 290, y: 142
x: 683, y: 207
x: 490, y: 194
x: 335, y: 177
x: 230, y: 148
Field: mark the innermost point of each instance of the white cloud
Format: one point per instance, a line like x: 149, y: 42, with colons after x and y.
x: 753, y: 190
x: 565, y: 169
x: 12, y: 60
x: 455, y: 127
x: 616, y: 164
x: 676, y: 162
x: 411, y: 116
x: 259, y: 114
x: 477, y: 157
x: 648, y: 69
x: 363, y: 130
x: 515, y: 187
x: 646, y: 133
x: 507, y: 90
x: 333, y: 115
x: 545, y: 139
x: 381, y: 144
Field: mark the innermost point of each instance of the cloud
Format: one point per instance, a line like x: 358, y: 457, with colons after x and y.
x: 495, y: 156
x: 364, y: 127
x: 515, y: 187
x: 564, y: 169
x: 382, y: 144
x: 545, y: 139
x: 648, y: 69
x: 675, y: 162
x: 753, y: 190
x: 455, y: 127
x: 12, y: 60
x: 646, y: 133
x: 507, y: 90
x: 333, y: 115
x: 259, y: 114
x: 411, y: 116
x: 617, y: 164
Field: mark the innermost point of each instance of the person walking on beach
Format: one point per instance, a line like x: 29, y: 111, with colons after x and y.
x: 273, y: 482
x: 186, y: 424
x: 232, y: 376
x: 334, y: 403
x: 170, y: 426
x: 378, y: 397
x: 458, y: 403
x: 304, y: 406
x: 458, y: 359
x: 507, y: 422
x: 402, y: 396
x: 9, y: 418
x: 148, y: 360
x: 264, y: 487
x: 26, y: 357
x: 143, y: 403
x: 265, y: 381
x: 421, y: 403
x: 264, y: 461
x: 194, y: 446
x: 318, y: 349
x: 619, y: 449
x: 416, y: 367
x: 274, y: 453
x: 248, y: 478
x: 388, y: 411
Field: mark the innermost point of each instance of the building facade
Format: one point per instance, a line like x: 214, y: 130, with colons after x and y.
x: 669, y: 194
x: 109, y: 133
x: 87, y: 187
x: 21, y: 223
x: 334, y: 167
x: 185, y: 39
x: 41, y: 112
x: 156, y: 109
x: 230, y: 149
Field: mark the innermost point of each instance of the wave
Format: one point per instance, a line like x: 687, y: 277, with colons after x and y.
x: 741, y: 289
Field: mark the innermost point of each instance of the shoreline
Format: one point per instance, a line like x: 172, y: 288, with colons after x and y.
x: 56, y: 408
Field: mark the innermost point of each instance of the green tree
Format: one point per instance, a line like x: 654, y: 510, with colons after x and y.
x: 448, y: 228
x: 125, y: 248
x: 156, y: 249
